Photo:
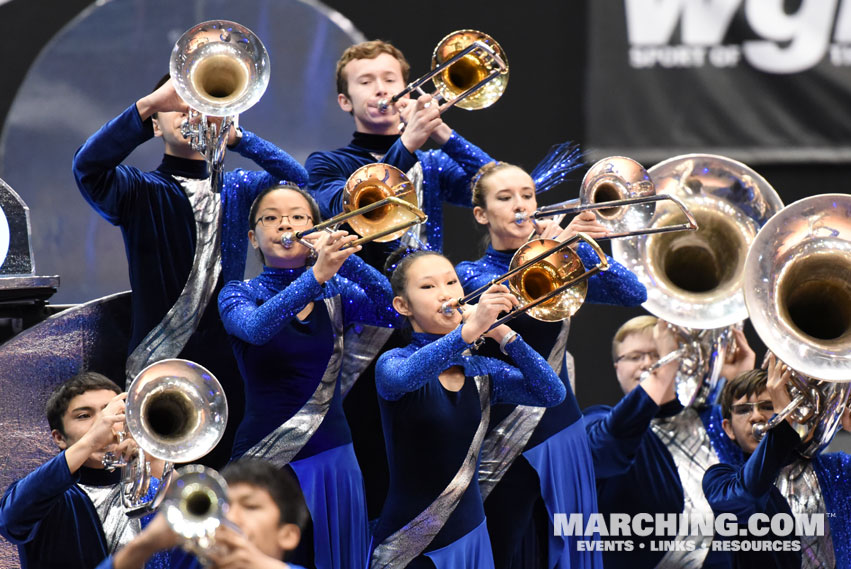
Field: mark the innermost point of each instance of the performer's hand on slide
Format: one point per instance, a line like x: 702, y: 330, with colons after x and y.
x: 331, y: 254
x: 492, y: 303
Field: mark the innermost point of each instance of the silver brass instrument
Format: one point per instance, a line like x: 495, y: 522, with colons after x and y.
x: 547, y: 277
x: 469, y: 70
x: 694, y: 279
x: 379, y: 204
x: 220, y: 69
x: 798, y: 294
x: 608, y: 189
x: 176, y: 411
x: 195, y: 506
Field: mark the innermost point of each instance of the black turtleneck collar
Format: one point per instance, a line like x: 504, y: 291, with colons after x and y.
x: 98, y: 476
x: 379, y: 143
x: 185, y: 167
x: 669, y: 409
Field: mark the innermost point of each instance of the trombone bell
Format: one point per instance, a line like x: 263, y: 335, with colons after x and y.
x: 370, y: 184
x: 487, y: 64
x: 543, y: 277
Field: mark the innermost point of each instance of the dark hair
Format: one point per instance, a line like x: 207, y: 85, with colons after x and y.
x: 751, y: 382
x: 255, y: 205
x: 279, y: 483
x: 398, y: 263
x: 81, y: 383
x: 368, y: 50
x: 159, y: 84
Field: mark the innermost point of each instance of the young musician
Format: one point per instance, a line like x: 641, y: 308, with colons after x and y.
x: 156, y: 213
x: 367, y: 73
x: 649, y: 452
x: 435, y: 400
x: 267, y: 516
x: 297, y: 329
x: 775, y: 479
x: 545, y: 447
x: 67, y: 512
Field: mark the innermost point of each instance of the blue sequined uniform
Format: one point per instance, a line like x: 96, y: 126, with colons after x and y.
x: 283, y: 361
x: 446, y: 174
x: 556, y: 462
x: 446, y: 178
x: 52, y: 520
x: 428, y: 431
x: 158, y: 227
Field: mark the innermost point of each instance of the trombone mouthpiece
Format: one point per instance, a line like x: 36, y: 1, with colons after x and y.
x: 383, y: 105
x: 520, y: 217
x: 287, y: 240
x: 448, y: 308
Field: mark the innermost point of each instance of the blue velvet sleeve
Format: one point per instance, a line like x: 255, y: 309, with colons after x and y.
x: 618, y: 285
x: 532, y: 382
x: 108, y: 186
x: 616, y: 433
x: 368, y: 298
x: 27, y: 501
x: 328, y: 174
x: 277, y: 165
x: 459, y: 163
x: 399, y: 371
x: 745, y: 490
x: 257, y: 324
x: 471, y: 276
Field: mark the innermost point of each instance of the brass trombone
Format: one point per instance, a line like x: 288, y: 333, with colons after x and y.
x: 609, y: 187
x: 547, y: 277
x: 469, y: 70
x: 379, y: 203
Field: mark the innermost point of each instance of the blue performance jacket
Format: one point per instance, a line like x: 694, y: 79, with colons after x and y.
x: 154, y: 213
x: 446, y: 173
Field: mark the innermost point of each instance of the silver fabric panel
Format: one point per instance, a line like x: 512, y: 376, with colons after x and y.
x: 799, y: 484
x: 690, y: 446
x: 281, y: 445
x: 169, y: 337
x: 507, y: 440
x: 118, y: 527
x: 402, y: 547
x: 361, y: 344
x: 415, y: 235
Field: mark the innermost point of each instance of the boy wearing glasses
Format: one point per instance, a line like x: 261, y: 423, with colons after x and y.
x: 649, y: 451
x: 776, y: 481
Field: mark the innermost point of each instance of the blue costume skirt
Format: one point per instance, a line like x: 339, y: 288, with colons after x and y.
x: 472, y: 550
x: 566, y: 471
x: 333, y: 489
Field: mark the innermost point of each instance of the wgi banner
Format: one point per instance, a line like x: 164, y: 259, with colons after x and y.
x: 757, y: 80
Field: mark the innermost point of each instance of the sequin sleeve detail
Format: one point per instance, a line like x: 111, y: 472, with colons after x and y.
x: 248, y: 316
x: 367, y: 295
x: 458, y: 163
x: 278, y: 165
x: 403, y: 370
x: 618, y: 285
x: 532, y: 382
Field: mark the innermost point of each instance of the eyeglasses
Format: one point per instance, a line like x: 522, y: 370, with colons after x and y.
x: 748, y: 408
x: 635, y: 357
x: 273, y: 220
